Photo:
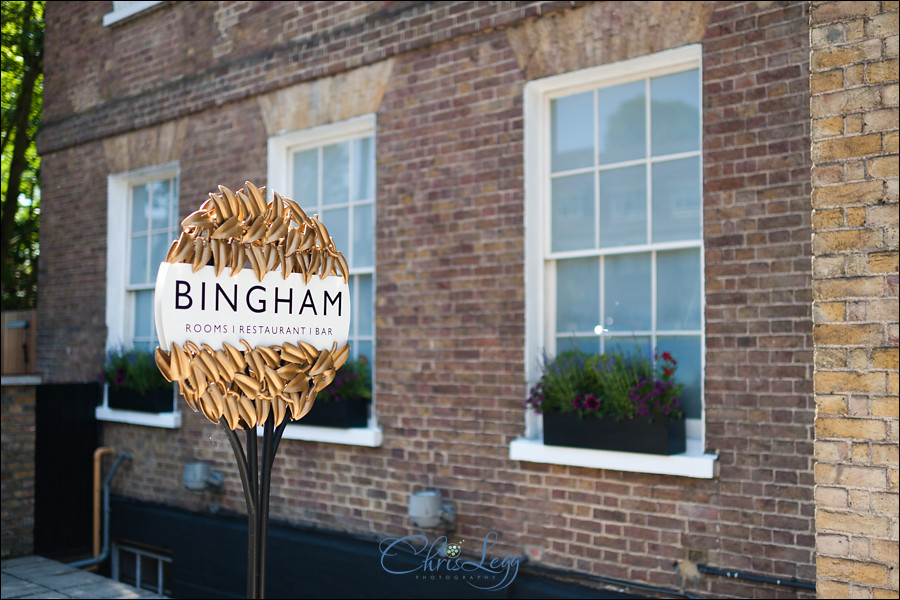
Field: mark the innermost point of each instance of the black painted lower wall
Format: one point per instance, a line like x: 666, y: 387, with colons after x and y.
x: 209, y: 560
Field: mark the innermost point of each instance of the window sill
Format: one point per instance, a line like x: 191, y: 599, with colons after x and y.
x: 692, y: 463
x: 356, y: 436
x: 127, y: 11
x: 13, y: 380
x: 171, y: 420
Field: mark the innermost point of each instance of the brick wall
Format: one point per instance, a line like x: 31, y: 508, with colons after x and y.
x: 450, y: 309
x: 17, y: 460
x: 853, y: 82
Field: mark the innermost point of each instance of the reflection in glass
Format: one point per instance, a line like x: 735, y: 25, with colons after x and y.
x: 577, y: 295
x: 140, y: 208
x: 159, y: 245
x: 626, y: 284
x: 143, y: 314
x: 160, y: 213
x: 630, y: 345
x: 363, y: 236
x: 589, y: 344
x: 362, y: 310
x: 572, y: 206
x: 675, y: 113
x: 336, y: 173
x: 686, y: 350
x: 622, y: 122
x: 138, y: 268
x: 676, y: 200
x: 336, y: 220
x: 306, y: 177
x: 623, y: 206
x: 572, y: 132
x: 678, y: 289
x: 364, y: 170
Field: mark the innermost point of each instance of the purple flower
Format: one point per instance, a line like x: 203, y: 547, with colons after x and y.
x: 591, y: 403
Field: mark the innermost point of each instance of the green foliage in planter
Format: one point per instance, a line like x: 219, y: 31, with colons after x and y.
x: 133, y: 370
x: 353, y: 380
x: 623, y: 386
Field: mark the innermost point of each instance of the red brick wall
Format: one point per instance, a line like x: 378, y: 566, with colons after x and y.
x: 450, y: 310
x: 17, y: 433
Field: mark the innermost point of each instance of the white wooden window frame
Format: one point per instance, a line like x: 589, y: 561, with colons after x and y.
x: 279, y: 177
x: 537, y: 95
x: 123, y: 10
x: 119, y: 310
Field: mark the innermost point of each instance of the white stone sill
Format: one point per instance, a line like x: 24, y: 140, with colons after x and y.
x: 127, y: 10
x: 171, y: 420
x: 371, y: 436
x: 13, y: 380
x: 692, y: 463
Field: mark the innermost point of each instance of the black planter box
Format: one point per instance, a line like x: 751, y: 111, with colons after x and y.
x: 338, y: 413
x: 628, y: 435
x: 154, y: 401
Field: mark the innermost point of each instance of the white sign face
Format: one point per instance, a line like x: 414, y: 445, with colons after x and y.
x: 205, y: 309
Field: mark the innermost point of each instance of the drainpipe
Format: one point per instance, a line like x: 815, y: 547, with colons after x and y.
x: 794, y: 583
x: 104, y: 552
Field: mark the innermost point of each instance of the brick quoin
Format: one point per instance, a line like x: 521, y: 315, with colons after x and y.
x: 853, y: 82
x: 450, y: 305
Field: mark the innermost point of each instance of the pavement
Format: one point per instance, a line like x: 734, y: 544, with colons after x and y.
x: 38, y: 577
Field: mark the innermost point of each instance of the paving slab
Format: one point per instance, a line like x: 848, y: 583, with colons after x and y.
x: 38, y: 577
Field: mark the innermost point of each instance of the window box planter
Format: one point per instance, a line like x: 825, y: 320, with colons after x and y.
x: 154, y: 401
x: 628, y: 435
x: 353, y: 412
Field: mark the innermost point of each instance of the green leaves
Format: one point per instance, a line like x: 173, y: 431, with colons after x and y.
x: 22, y: 34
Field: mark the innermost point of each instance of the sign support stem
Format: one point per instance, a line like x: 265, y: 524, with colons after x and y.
x: 256, y: 480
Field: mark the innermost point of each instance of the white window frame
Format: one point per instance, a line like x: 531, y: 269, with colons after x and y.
x: 139, y: 554
x: 279, y: 178
x: 537, y: 95
x: 125, y: 9
x: 119, y: 313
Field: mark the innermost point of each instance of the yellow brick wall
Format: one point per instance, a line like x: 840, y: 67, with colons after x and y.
x: 854, y: 111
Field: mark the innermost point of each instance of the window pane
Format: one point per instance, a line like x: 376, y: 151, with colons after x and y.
x: 685, y: 350
x: 632, y: 345
x: 572, y: 132
x: 336, y: 173
x: 676, y: 200
x: 622, y: 122
x: 675, y: 113
x: 362, y: 348
x: 335, y: 220
x: 161, y: 192
x: 577, y: 295
x: 623, y: 206
x: 160, y: 245
x: 127, y: 567
x: 572, y: 218
x: 678, y: 289
x: 364, y: 170
x: 140, y: 208
x: 138, y: 269
x: 143, y: 314
x: 363, y: 253
x: 306, y: 179
x: 587, y: 344
x: 627, y: 293
x: 362, y: 310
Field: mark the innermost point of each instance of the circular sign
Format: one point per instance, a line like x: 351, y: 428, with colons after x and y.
x: 253, y: 306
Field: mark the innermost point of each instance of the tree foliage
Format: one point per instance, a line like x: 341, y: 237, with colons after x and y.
x: 22, y: 64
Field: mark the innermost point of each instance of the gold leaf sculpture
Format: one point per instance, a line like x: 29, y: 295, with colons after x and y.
x: 242, y: 386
